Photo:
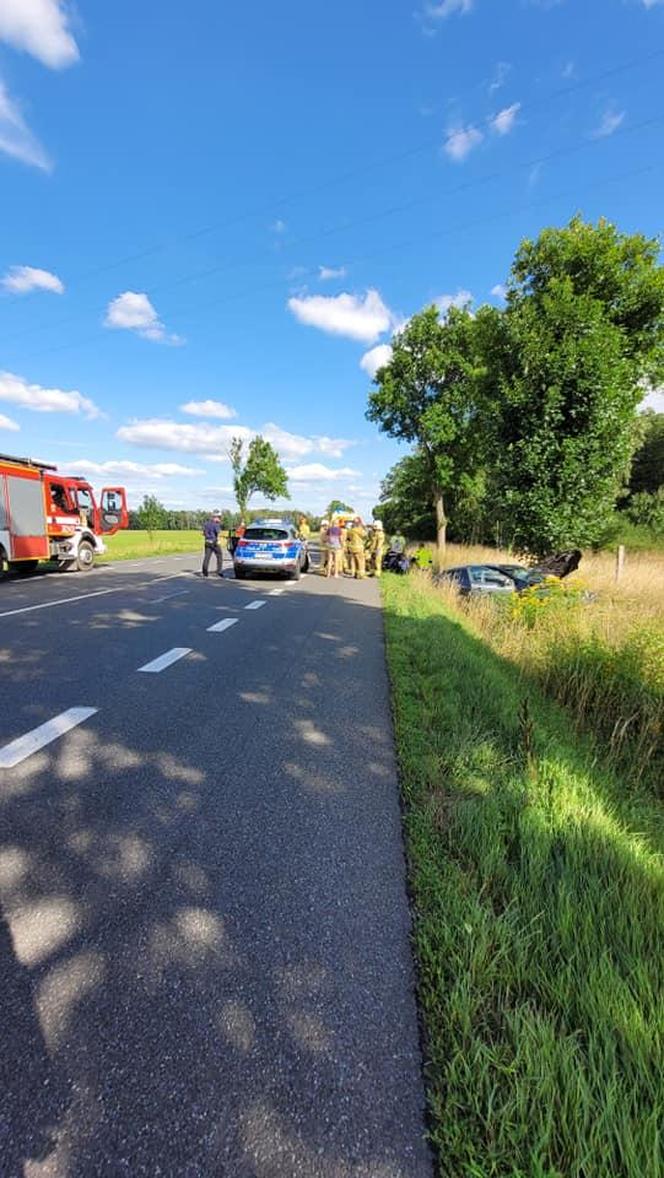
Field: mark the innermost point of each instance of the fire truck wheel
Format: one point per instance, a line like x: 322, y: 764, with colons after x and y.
x: 4, y: 565
x: 85, y: 558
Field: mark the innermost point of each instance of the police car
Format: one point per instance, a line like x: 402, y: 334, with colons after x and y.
x: 271, y: 546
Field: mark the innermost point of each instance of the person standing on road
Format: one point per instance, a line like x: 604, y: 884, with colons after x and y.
x: 334, y: 544
x: 356, y: 537
x: 211, y: 530
x: 376, y: 549
x: 324, y: 547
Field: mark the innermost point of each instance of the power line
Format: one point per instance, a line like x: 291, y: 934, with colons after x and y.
x: 406, y: 244
x: 343, y: 178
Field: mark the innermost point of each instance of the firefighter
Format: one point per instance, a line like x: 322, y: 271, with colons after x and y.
x: 356, y: 537
x: 347, y: 555
x: 376, y: 549
x: 324, y: 546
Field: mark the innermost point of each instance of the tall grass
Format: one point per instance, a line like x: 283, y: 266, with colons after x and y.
x: 538, y: 893
x: 598, y: 652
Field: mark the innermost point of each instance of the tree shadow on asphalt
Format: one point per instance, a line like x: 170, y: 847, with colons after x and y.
x: 210, y: 966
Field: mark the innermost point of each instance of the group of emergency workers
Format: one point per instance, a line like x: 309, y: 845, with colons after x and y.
x: 350, y: 548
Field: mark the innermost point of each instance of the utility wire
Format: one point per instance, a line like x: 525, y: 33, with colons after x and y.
x: 407, y: 244
x: 341, y: 179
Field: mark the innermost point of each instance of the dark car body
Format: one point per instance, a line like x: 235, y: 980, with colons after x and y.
x: 474, y: 579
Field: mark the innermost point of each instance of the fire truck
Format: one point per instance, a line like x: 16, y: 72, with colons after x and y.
x: 47, y: 516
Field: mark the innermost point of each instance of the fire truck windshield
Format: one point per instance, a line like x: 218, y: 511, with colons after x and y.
x: 85, y: 502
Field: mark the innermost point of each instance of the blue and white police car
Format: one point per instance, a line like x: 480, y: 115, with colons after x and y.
x: 271, y: 546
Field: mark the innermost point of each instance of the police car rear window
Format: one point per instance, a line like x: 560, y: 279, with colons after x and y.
x: 266, y: 534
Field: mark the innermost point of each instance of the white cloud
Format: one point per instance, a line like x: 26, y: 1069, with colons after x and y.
x: 161, y: 434
x: 16, y: 138
x: 376, y: 358
x: 317, y: 472
x: 128, y: 469
x: 8, y: 424
x: 460, y: 299
x: 568, y: 69
x: 32, y: 396
x: 133, y: 311
x: 213, y: 441
x: 651, y: 3
x: 22, y: 279
x: 279, y: 226
x: 609, y: 122
x: 504, y: 121
x: 296, y: 445
x: 461, y: 141
x: 40, y: 28
x: 500, y: 76
x: 325, y: 273
x: 209, y: 409
x: 445, y: 8
x: 499, y: 291
x: 356, y: 317
x: 333, y: 447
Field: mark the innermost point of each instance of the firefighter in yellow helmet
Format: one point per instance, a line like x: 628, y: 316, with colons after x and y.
x: 347, y: 555
x: 356, y: 536
x: 376, y: 549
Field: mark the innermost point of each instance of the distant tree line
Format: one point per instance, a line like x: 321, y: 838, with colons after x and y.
x: 153, y: 516
x: 524, y: 419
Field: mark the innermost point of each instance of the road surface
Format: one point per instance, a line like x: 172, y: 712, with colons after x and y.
x: 204, y: 954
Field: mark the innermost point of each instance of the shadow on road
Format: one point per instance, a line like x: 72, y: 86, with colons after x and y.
x: 207, y: 959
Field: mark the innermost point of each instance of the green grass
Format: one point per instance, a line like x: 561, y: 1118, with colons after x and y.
x: 538, y: 896
x: 131, y: 545
x: 635, y: 537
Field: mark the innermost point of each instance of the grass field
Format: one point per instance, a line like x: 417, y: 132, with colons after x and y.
x: 538, y: 896
x: 602, y: 657
x: 131, y: 545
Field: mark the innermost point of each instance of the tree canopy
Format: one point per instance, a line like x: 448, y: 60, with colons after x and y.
x: 526, y: 417
x: 261, y: 470
x: 429, y: 393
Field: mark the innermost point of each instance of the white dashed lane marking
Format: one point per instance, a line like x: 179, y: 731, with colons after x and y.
x: 12, y: 754
x: 276, y: 592
x: 224, y: 624
x: 255, y: 605
x: 166, y: 660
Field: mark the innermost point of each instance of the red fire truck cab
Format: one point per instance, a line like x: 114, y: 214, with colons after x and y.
x: 47, y: 516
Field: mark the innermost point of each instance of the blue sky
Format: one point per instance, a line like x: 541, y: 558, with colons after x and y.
x: 213, y: 214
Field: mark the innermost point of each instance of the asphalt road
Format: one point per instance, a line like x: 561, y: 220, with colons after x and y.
x: 204, y: 945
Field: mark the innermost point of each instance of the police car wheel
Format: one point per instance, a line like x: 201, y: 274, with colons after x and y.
x: 297, y: 572
x: 240, y: 574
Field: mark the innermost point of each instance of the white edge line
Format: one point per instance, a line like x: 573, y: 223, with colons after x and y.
x: 26, y: 609
x: 12, y: 754
x: 224, y: 624
x: 165, y: 660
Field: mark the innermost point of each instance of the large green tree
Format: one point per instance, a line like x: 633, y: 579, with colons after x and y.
x: 258, y: 470
x: 581, y: 334
x: 430, y: 394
